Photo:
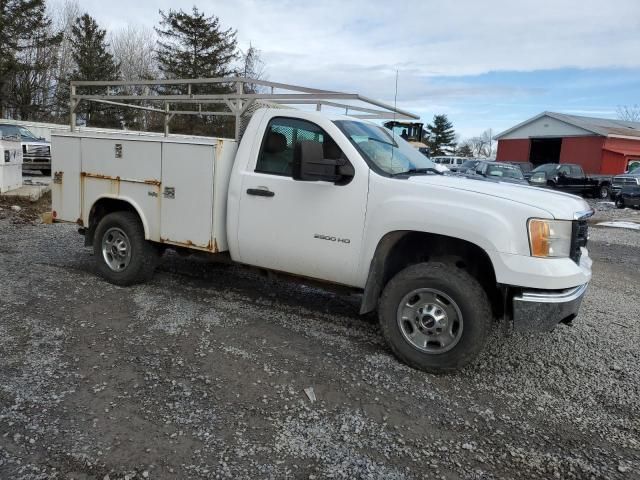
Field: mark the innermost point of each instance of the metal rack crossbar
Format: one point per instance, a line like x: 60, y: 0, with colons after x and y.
x: 235, y: 102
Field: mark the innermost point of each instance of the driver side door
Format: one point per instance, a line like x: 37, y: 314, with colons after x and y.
x: 311, y: 229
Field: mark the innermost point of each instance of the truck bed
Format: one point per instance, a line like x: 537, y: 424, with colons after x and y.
x: 178, y: 186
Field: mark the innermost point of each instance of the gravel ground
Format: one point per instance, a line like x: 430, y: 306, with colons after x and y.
x: 201, y: 374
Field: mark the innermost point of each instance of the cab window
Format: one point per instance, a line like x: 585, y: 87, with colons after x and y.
x: 576, y: 172
x: 281, y: 137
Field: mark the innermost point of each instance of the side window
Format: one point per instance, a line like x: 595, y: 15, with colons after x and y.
x: 576, y: 172
x: 564, y: 170
x: 281, y: 137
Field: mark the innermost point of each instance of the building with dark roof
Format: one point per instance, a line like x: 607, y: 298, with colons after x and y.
x: 599, y: 145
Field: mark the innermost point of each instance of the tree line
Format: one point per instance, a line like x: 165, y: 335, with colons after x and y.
x: 44, y: 46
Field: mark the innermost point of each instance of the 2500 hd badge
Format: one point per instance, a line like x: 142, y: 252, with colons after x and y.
x: 331, y: 239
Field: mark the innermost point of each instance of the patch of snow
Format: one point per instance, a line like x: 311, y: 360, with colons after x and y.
x: 617, y: 224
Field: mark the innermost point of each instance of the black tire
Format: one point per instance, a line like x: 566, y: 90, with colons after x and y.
x: 462, y: 289
x: 603, y: 192
x: 619, y: 202
x: 143, y: 257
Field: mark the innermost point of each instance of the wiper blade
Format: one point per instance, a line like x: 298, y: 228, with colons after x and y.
x: 382, y: 142
x: 418, y: 171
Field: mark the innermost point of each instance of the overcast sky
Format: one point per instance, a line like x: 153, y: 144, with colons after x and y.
x: 486, y: 63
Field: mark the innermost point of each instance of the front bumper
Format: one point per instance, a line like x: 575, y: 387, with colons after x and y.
x: 542, y: 310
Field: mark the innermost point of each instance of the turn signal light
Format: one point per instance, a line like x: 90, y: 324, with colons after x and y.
x: 539, y: 233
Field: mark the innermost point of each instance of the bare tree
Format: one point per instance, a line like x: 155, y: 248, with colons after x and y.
x: 63, y: 14
x: 482, y: 146
x: 252, y: 66
x: 629, y: 113
x: 133, y: 48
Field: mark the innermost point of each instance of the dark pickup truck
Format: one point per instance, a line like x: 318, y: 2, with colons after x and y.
x: 570, y: 178
x: 629, y: 179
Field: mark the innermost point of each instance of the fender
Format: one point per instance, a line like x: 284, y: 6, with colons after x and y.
x: 374, y: 285
x: 119, y: 198
x: 417, y: 247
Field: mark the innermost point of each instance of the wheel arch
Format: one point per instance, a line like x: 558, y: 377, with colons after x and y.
x: 108, y: 204
x: 400, y: 249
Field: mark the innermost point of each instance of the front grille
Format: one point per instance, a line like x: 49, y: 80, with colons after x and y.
x: 39, y: 150
x: 37, y: 153
x: 579, y: 238
x: 622, y: 181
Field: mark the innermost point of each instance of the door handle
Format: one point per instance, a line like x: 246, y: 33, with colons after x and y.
x: 261, y: 192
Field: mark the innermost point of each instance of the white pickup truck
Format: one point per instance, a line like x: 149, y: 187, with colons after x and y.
x: 342, y: 201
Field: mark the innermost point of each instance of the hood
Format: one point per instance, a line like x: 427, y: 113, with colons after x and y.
x: 561, y: 206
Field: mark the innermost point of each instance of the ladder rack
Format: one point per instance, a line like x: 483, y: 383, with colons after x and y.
x: 234, y: 101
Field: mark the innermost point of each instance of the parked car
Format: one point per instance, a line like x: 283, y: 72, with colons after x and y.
x: 452, y: 163
x: 570, y: 178
x: 36, y: 151
x: 628, y: 179
x: 629, y: 196
x: 498, y: 172
x: 469, y: 166
x: 525, y: 167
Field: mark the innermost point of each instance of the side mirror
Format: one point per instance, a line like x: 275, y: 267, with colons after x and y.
x: 479, y: 172
x: 309, y: 164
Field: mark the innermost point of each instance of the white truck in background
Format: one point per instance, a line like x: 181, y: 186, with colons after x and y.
x: 339, y: 200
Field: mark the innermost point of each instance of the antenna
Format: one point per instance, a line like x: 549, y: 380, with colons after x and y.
x: 395, y: 108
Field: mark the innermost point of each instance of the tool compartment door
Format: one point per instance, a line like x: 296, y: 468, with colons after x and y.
x: 186, y: 216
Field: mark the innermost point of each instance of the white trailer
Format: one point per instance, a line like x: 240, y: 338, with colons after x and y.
x: 335, y: 199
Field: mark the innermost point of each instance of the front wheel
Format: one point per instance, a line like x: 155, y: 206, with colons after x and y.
x: 619, y: 202
x: 435, y: 317
x: 123, y: 256
x: 603, y: 192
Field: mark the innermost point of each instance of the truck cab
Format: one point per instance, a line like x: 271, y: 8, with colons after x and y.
x: 338, y: 201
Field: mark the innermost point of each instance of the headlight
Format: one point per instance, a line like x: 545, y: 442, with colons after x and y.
x: 550, y: 238
x: 538, y: 178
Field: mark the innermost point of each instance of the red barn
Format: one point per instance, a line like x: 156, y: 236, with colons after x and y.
x: 599, y: 145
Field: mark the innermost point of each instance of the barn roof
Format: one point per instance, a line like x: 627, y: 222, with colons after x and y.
x: 604, y: 127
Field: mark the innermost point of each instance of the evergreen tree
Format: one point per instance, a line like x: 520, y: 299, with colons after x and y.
x: 464, y: 150
x: 90, y: 53
x: 194, y: 45
x: 26, y: 58
x: 442, y: 136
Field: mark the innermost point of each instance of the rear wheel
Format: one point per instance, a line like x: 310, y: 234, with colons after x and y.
x: 123, y: 256
x: 435, y: 317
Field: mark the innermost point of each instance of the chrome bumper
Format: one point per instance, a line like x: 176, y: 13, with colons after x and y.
x: 540, y: 310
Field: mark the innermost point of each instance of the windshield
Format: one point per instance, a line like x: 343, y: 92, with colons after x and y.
x: 505, y: 171
x: 469, y: 164
x: 547, y: 168
x: 389, y: 155
x: 15, y: 130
